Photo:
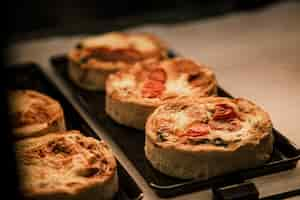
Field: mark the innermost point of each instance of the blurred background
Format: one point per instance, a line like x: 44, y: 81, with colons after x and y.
x: 68, y: 16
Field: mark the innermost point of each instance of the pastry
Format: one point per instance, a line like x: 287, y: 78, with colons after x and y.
x: 206, y: 137
x: 67, y: 165
x: 34, y: 114
x: 98, y: 56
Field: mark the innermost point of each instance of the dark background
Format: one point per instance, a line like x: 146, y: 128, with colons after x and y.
x: 43, y: 18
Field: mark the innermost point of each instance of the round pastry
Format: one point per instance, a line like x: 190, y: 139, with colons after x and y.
x: 207, y: 137
x: 98, y: 56
x: 67, y: 165
x: 132, y: 94
x: 34, y: 114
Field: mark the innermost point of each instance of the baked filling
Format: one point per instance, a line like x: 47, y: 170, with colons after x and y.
x: 62, y: 161
x: 156, y: 81
x: 220, y: 122
x: 117, y: 50
x: 29, y: 108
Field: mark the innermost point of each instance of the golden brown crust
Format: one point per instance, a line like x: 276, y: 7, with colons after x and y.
x: 34, y: 114
x: 187, y: 137
x: 65, y: 165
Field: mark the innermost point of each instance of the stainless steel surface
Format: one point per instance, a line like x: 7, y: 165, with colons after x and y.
x: 255, y: 55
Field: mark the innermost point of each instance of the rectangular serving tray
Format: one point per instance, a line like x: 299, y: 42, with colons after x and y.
x: 131, y: 142
x: 28, y: 76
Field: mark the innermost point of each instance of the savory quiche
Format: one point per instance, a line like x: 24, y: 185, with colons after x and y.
x: 206, y: 137
x: 66, y: 165
x: 97, y: 56
x: 133, y: 93
x: 34, y: 114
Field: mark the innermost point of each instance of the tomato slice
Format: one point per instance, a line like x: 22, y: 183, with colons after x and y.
x: 158, y: 75
x: 197, y: 129
x: 232, y: 125
x: 152, y: 89
x: 224, y: 112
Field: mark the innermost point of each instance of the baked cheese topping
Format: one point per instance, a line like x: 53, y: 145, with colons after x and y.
x: 112, y: 40
x: 117, y: 49
x: 181, y: 120
x: 125, y: 83
x: 63, y: 161
x: 28, y: 107
x: 209, y: 121
x: 154, y: 81
x: 179, y: 86
x: 120, y: 41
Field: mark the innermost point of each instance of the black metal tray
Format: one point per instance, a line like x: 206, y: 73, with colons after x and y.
x: 285, y: 155
x: 28, y: 76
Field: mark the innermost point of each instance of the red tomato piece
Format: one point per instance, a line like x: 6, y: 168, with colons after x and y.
x: 152, y: 89
x: 224, y: 112
x: 158, y: 75
x: 197, y: 129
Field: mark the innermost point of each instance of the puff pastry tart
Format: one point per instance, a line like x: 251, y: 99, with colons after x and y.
x: 34, y: 114
x: 132, y: 94
x: 207, y: 137
x: 67, y: 165
x: 96, y: 57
